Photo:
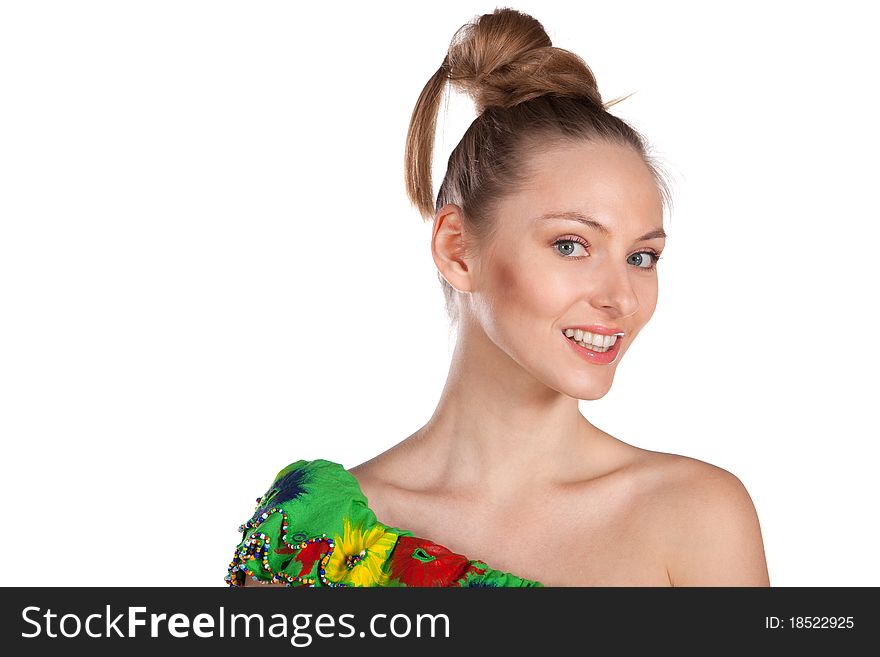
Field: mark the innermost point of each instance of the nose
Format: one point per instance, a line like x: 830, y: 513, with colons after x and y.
x: 612, y: 290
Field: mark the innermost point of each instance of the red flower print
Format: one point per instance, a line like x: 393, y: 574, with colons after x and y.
x: 307, y: 556
x: 311, y: 553
x: 419, y: 562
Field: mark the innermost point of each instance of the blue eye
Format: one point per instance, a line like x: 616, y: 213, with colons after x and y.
x: 640, y: 256
x: 569, y: 244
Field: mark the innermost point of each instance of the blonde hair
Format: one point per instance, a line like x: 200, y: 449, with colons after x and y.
x: 529, y: 95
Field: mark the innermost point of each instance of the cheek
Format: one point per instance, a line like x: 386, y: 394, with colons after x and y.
x: 524, y: 294
x: 647, y: 294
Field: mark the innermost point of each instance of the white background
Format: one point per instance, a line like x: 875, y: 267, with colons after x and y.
x: 209, y: 267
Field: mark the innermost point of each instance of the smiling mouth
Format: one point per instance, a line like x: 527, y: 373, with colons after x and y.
x: 592, y: 341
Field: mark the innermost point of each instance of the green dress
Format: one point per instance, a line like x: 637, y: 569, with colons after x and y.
x: 313, y: 528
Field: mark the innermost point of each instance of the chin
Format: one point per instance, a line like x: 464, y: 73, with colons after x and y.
x: 587, y: 391
x: 593, y: 394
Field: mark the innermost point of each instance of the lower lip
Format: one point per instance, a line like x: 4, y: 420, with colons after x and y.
x: 594, y: 356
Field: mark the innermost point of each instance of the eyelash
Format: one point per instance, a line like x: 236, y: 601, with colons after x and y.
x: 655, y: 257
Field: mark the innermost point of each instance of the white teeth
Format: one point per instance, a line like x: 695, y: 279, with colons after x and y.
x: 601, y: 342
x: 592, y: 347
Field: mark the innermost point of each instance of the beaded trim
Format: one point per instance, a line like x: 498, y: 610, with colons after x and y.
x: 257, y: 547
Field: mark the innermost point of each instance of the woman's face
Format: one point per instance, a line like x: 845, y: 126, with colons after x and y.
x: 544, y: 271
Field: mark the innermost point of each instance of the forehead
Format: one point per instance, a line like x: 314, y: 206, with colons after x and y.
x: 610, y: 182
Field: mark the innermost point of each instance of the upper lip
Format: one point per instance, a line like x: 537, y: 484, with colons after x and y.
x: 597, y: 328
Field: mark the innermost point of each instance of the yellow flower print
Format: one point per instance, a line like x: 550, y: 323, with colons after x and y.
x: 359, y: 555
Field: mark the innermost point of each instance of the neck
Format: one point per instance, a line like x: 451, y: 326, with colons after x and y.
x: 497, y: 429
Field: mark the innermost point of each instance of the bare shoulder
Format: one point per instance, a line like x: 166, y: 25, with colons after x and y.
x: 706, y: 523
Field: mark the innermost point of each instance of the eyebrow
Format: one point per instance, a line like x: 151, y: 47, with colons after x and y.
x: 592, y: 223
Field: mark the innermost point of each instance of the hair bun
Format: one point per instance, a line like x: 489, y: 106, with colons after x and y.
x: 506, y: 57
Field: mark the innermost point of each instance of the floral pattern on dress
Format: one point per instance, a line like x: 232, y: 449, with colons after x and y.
x: 294, y: 536
x: 420, y: 562
x: 309, y: 556
x: 360, y: 554
x: 288, y: 486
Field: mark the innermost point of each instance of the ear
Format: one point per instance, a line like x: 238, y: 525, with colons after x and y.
x: 448, y: 247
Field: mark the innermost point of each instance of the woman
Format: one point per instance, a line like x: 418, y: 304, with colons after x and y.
x: 547, y: 233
